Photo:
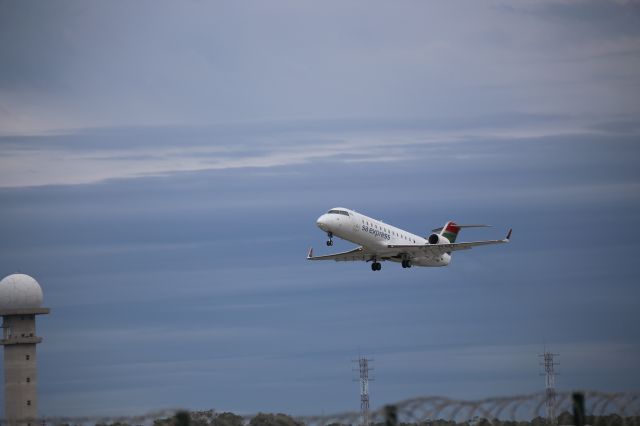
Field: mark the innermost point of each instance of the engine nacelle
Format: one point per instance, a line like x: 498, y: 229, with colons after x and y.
x: 438, y: 239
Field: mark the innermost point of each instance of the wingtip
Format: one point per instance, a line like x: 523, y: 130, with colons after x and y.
x: 310, y: 253
x: 508, y: 238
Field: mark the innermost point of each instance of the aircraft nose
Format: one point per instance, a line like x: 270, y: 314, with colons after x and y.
x: 322, y: 222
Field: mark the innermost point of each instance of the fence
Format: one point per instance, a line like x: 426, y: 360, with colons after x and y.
x: 606, y: 408
x: 596, y: 408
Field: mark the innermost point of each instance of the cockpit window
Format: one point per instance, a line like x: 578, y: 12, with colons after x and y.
x: 342, y: 212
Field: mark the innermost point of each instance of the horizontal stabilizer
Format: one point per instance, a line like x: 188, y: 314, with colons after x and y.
x: 462, y: 226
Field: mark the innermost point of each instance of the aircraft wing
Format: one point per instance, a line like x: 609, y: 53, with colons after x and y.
x: 438, y: 249
x: 359, y: 253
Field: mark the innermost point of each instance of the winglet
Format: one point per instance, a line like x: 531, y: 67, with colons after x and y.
x: 310, y: 254
x: 508, y: 237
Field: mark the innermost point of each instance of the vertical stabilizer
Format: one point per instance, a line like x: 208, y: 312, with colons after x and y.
x: 450, y: 231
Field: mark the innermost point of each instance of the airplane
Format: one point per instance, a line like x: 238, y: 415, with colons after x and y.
x: 379, y: 241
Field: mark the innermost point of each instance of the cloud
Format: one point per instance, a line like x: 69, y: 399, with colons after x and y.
x: 79, y: 66
x: 94, y: 155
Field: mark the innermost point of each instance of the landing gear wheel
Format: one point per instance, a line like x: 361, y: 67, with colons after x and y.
x: 376, y: 266
x: 329, y: 243
x: 406, y: 263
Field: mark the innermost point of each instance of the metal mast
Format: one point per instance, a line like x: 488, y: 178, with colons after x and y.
x: 363, y: 369
x: 550, y: 383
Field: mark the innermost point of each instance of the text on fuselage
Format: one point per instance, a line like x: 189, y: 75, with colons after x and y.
x: 376, y: 232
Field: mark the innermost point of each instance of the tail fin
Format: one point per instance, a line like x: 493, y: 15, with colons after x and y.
x: 451, y: 229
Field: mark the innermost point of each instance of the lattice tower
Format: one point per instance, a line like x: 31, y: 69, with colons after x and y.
x: 364, y: 379
x: 549, y: 364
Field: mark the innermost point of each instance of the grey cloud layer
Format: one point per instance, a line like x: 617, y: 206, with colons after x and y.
x: 93, y: 155
x: 72, y: 65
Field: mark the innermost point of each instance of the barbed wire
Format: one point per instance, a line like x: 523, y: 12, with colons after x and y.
x: 601, y: 409
x: 621, y: 405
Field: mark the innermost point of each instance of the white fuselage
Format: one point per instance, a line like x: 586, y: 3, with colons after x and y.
x: 376, y: 236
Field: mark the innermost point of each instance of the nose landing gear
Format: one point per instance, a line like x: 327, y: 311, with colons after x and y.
x: 330, y: 240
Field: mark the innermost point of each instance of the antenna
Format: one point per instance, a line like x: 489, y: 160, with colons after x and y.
x: 550, y: 383
x: 363, y: 370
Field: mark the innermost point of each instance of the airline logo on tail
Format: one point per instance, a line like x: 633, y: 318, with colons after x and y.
x: 450, y: 231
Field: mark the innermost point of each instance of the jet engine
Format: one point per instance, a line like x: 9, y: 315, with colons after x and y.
x: 437, y: 239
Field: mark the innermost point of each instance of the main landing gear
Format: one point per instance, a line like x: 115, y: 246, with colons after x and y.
x: 406, y: 263
x: 330, y: 240
x: 376, y: 266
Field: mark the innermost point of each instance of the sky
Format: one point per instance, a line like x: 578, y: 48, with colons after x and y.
x: 162, y: 166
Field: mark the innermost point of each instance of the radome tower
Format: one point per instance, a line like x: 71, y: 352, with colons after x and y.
x: 20, y: 302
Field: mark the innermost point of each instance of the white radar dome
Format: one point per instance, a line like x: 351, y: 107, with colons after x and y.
x: 20, y: 291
